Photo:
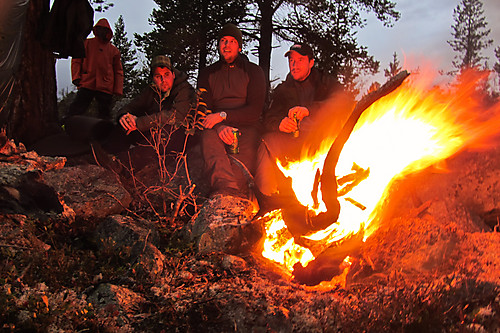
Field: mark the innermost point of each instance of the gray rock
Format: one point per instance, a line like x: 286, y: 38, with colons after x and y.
x: 225, y: 224
x: 90, y: 190
x: 22, y: 188
x: 117, y: 301
x: 133, y: 240
x: 234, y: 263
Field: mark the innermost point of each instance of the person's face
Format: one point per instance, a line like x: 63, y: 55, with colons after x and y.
x: 229, y: 48
x: 163, y: 78
x: 300, y: 65
x: 102, y: 33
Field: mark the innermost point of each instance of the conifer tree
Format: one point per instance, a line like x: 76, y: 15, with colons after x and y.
x: 128, y: 56
x: 496, y: 67
x: 394, y: 67
x: 470, y: 34
x: 187, y: 30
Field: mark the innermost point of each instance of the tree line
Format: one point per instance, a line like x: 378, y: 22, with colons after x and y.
x: 328, y: 26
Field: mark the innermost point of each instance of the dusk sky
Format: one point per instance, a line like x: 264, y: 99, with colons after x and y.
x: 419, y: 36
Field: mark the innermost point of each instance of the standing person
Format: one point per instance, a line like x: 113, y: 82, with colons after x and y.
x: 235, y: 92
x: 99, y: 75
x: 296, y: 115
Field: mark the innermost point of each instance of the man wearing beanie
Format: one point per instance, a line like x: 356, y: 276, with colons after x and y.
x: 235, y: 92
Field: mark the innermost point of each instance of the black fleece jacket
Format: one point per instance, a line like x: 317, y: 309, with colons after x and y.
x: 239, y: 89
x: 289, y: 94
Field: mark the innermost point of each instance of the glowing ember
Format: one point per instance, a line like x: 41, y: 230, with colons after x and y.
x: 279, y: 244
x: 406, y: 131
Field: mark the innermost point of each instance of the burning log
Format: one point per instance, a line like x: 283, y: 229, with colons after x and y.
x: 328, y: 263
x: 297, y: 218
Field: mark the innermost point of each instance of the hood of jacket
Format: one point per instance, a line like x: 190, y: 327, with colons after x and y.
x: 104, y: 24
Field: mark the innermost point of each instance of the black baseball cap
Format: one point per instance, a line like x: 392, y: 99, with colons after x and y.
x: 302, y: 49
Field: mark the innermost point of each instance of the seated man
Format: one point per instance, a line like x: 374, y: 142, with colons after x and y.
x: 167, y: 100
x: 235, y: 92
x: 297, y: 115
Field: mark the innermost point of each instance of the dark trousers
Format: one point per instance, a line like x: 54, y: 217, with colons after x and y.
x: 274, y: 145
x: 223, y: 173
x: 144, y: 151
x: 84, y: 97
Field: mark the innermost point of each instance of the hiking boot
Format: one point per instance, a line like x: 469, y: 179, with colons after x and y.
x: 106, y: 160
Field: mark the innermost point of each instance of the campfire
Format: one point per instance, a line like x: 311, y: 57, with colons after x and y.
x: 411, y: 128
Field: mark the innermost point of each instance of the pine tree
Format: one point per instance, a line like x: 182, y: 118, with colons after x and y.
x: 101, y: 5
x: 187, y: 30
x: 496, y: 67
x: 330, y: 27
x: 470, y: 34
x: 394, y: 67
x: 128, y: 56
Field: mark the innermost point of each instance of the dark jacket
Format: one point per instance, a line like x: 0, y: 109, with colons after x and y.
x: 101, y: 69
x: 68, y: 25
x: 288, y: 95
x: 238, y: 89
x: 146, y: 106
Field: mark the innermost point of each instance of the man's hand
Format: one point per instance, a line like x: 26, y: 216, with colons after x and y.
x: 211, y: 120
x: 300, y: 112
x: 226, y: 134
x: 288, y: 125
x: 128, y: 122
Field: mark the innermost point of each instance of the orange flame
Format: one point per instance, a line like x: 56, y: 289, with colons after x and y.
x: 411, y: 129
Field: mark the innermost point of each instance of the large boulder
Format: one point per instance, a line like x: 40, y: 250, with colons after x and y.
x: 134, y: 241
x: 22, y: 187
x: 91, y: 191
x: 225, y: 223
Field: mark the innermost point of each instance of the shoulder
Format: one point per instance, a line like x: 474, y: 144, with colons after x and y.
x: 254, y: 71
x: 181, y: 81
x: 255, y: 68
x: 212, y: 68
x: 322, y: 77
x: 204, y: 73
x: 180, y: 76
x: 285, y: 85
x: 113, y: 48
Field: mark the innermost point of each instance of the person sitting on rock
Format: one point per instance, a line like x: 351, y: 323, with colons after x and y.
x: 296, y: 115
x: 161, y: 105
x: 234, y: 89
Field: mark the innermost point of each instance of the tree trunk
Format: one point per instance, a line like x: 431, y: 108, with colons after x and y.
x: 266, y: 35
x: 32, y: 107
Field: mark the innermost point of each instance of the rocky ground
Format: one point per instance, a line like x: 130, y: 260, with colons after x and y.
x: 82, y: 249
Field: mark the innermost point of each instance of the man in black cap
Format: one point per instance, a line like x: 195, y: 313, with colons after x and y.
x: 295, y: 115
x: 235, y: 91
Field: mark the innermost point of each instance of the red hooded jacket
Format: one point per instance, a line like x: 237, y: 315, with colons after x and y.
x: 101, y: 69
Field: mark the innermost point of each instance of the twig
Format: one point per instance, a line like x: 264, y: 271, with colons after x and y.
x: 181, y: 198
x: 16, y: 246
